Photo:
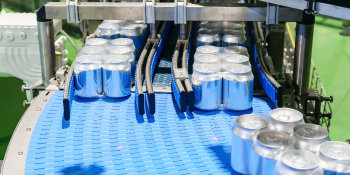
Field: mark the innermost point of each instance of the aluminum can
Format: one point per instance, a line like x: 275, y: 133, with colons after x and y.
x: 234, y: 38
x: 207, y: 86
x: 124, y: 42
x: 96, y: 42
x: 229, y: 50
x: 309, y: 137
x: 267, y: 149
x: 234, y: 59
x: 134, y: 32
x: 88, y: 76
x: 116, y: 76
x: 117, y: 23
x: 335, y: 158
x: 124, y: 50
x: 284, y: 119
x: 238, y: 82
x: 93, y: 50
x: 298, y: 162
x: 207, y: 50
x: 243, y: 132
x: 145, y: 31
x: 207, y: 59
x: 222, y: 25
x: 208, y: 37
x: 107, y: 31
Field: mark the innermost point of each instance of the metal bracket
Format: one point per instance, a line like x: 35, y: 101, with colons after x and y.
x: 311, y: 7
x: 272, y: 14
x: 180, y: 12
x: 180, y: 73
x: 72, y: 11
x: 61, y: 74
x: 149, y: 16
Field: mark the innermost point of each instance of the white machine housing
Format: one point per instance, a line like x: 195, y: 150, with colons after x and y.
x: 19, y: 47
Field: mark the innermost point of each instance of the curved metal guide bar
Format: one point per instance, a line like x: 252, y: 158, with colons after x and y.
x: 181, y: 85
x: 273, y: 89
x: 178, y: 89
x: 188, y: 86
x: 68, y: 92
x: 139, y: 95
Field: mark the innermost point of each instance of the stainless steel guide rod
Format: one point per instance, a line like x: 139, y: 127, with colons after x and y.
x: 165, y: 11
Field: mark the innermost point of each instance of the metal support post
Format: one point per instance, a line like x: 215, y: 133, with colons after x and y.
x: 182, y: 31
x: 153, y: 30
x: 47, y: 50
x: 302, y: 57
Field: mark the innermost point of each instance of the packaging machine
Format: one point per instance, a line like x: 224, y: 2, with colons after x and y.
x: 157, y: 130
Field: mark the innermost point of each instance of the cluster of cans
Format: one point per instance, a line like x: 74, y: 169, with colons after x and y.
x: 135, y: 30
x: 221, y: 34
x: 284, y: 144
x: 105, y: 67
x: 222, y: 78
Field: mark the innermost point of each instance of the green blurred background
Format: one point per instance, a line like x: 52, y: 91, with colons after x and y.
x: 331, y: 54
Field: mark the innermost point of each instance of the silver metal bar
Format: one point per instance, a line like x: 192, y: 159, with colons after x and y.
x: 182, y: 31
x: 165, y: 12
x: 321, y: 8
x: 47, y: 50
x: 302, y: 58
x: 17, y: 150
x: 153, y: 31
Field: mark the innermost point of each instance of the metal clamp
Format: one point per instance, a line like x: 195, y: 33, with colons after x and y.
x: 311, y: 7
x: 180, y: 12
x: 180, y: 73
x: 149, y: 12
x: 72, y: 11
x: 272, y: 13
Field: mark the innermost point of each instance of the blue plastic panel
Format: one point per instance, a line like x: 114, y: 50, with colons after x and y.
x: 105, y: 136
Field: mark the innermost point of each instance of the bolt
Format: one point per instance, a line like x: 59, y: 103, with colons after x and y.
x: 38, y: 109
x: 164, y: 87
x: 28, y: 129
x: 44, y: 100
x: 288, y: 104
x: 20, y: 153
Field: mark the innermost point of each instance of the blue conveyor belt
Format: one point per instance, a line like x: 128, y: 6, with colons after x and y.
x: 105, y: 136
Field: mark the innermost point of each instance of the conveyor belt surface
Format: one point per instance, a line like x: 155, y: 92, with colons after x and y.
x: 105, y: 136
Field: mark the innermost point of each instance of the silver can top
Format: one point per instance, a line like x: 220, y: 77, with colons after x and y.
x: 206, y: 38
x: 207, y: 69
x: 251, y: 121
x: 96, y: 42
x: 131, y: 30
x: 286, y: 115
x: 300, y: 159
x: 236, y: 59
x: 86, y: 63
x: 93, y: 50
x: 116, y: 63
x: 336, y: 150
x: 238, y: 69
x: 208, y: 50
x: 120, y: 22
x: 88, y: 59
x: 121, y: 50
x: 107, y: 26
x: 206, y: 72
x: 207, y: 58
x: 122, y: 41
x: 310, y: 131
x: 114, y: 59
x: 274, y: 139
x: 236, y: 50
